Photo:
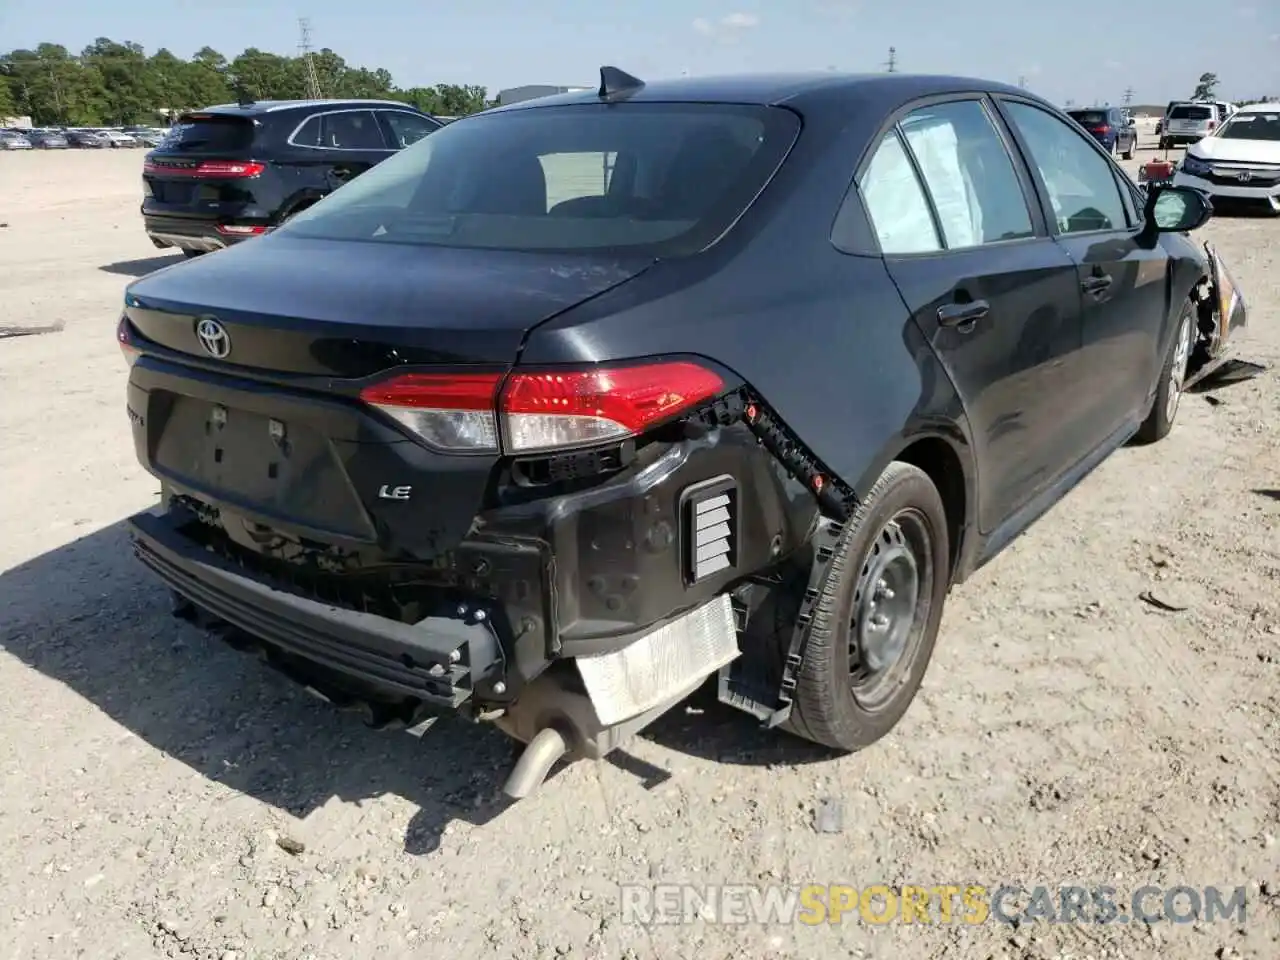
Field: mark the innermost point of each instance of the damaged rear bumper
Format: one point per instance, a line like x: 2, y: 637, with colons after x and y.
x: 437, y: 661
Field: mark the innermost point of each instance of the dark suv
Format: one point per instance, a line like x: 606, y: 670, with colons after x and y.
x: 583, y: 400
x: 232, y: 172
x: 1109, y: 127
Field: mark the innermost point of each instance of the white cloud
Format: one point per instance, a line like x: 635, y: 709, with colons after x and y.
x: 728, y: 28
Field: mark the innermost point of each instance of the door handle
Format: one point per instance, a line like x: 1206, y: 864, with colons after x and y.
x: 963, y: 316
x: 1095, y: 284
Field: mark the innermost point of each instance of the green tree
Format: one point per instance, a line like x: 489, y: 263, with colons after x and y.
x: 207, y: 78
x: 1206, y: 87
x: 118, y: 83
x: 268, y: 76
x: 8, y: 107
x: 129, y: 91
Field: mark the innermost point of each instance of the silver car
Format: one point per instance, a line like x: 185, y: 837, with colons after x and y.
x: 13, y: 141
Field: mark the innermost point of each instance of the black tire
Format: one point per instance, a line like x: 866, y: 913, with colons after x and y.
x: 1163, y: 411
x: 833, y: 704
x: 190, y: 253
x: 1133, y: 145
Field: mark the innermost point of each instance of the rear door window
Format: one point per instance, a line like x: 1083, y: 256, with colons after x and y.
x: 211, y: 133
x: 341, y: 130
x: 968, y: 173
x: 896, y: 201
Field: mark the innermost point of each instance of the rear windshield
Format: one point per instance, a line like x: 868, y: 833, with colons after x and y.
x: 1191, y: 113
x: 1252, y: 126
x: 659, y: 178
x: 1089, y: 118
x: 210, y: 132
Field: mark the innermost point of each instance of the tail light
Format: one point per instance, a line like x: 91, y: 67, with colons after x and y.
x: 126, y: 341
x: 1102, y: 129
x: 541, y: 412
x: 238, y: 230
x: 220, y: 169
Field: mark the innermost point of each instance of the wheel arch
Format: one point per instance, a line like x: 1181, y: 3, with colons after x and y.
x: 944, y: 452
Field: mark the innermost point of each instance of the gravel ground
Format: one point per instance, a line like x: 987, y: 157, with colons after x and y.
x: 1067, y: 731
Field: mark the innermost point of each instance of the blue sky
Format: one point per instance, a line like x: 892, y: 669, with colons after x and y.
x: 1084, y: 50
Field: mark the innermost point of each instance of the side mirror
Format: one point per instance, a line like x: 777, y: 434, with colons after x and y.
x: 1172, y: 209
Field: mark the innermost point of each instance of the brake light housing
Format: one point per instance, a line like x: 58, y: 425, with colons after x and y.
x: 125, y: 340
x: 210, y: 169
x: 530, y: 412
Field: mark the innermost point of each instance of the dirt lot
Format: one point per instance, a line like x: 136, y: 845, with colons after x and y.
x: 1068, y: 732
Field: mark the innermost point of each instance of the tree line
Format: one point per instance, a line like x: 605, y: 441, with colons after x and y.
x: 117, y: 84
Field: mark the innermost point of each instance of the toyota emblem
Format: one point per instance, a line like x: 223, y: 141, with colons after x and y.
x: 213, y: 337
x: 1244, y: 176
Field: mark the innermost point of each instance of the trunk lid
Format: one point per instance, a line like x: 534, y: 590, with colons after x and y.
x: 350, y: 309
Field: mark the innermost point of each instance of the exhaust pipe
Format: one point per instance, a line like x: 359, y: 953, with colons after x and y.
x: 536, y: 761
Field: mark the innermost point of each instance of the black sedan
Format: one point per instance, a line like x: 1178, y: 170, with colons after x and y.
x: 580, y: 401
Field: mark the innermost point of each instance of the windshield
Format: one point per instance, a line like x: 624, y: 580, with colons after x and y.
x: 658, y: 178
x: 1088, y: 118
x: 1252, y: 126
x: 1191, y: 113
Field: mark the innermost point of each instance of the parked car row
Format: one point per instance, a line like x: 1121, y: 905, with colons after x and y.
x: 1238, y: 163
x: 84, y: 138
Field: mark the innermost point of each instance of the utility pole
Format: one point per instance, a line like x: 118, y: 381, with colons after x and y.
x: 892, y: 62
x: 304, y: 51
x: 1128, y: 96
x: 1022, y: 82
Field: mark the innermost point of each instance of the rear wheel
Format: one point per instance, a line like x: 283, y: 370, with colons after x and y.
x: 1172, y: 376
x: 877, y: 617
x: 1133, y: 145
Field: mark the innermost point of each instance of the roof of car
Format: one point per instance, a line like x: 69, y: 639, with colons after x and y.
x: 776, y: 88
x: 274, y: 106
x: 1271, y: 107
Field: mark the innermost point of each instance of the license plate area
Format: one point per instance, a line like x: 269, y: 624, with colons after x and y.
x: 282, y: 468
x: 168, y: 191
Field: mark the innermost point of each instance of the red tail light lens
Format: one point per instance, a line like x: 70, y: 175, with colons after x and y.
x: 221, y: 169
x: 548, y: 411
x: 539, y: 412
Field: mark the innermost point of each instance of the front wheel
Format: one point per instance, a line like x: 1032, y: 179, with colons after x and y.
x: 1172, y: 376
x: 877, y: 617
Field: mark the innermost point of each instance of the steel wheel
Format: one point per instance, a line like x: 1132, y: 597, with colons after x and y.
x: 886, y: 625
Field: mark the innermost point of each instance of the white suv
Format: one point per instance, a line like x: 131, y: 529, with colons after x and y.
x: 1189, y: 120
